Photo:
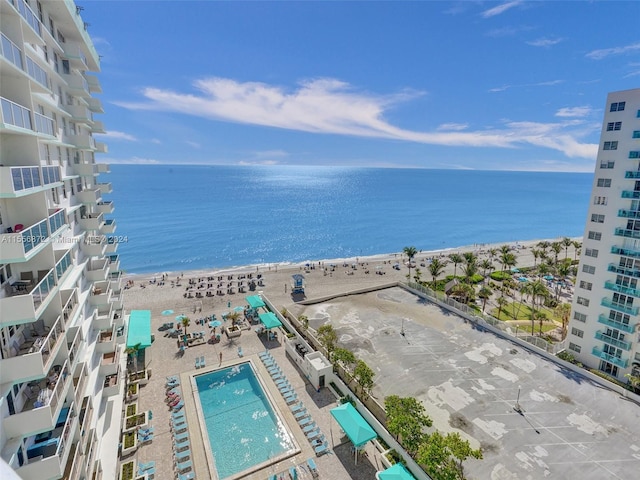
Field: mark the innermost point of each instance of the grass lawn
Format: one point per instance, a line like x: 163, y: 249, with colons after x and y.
x: 522, y: 311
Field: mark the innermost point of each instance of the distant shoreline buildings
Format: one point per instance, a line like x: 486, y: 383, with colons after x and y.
x: 603, y: 330
x: 61, y: 312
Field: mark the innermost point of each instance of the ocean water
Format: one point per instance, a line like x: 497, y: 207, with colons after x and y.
x: 174, y: 218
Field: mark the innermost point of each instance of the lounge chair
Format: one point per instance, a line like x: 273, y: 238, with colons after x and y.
x: 305, y: 421
x: 293, y: 473
x: 284, y: 389
x: 187, y: 476
x: 203, y: 362
x: 181, y: 447
x: 310, y: 427
x: 180, y: 437
x: 266, y: 353
x: 174, y: 401
x: 179, y: 428
x: 301, y: 414
x: 178, y: 406
x: 240, y: 352
x: 312, y: 467
x: 150, y: 472
x: 321, y: 449
x: 172, y: 383
x: 183, y: 455
x: 145, y: 438
x: 281, y: 382
x: 197, y: 364
x: 297, y: 407
x: 145, y: 431
x: 184, y: 466
x: 146, y: 466
x: 176, y: 416
x: 313, y: 434
x: 290, y: 397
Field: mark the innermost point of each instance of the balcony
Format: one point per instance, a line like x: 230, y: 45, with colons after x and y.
x: 48, y: 457
x: 75, y: 55
x: 104, y: 317
x: 112, y: 245
x: 100, y: 293
x: 94, y: 83
x: 94, y: 245
x: 104, y: 207
x: 92, y: 221
x: 105, y: 188
x: 97, y: 270
x: 30, y: 17
x: 15, y: 114
x: 19, y: 247
x: 630, y: 194
x: 33, y: 358
x: 117, y: 301
x: 613, y: 341
x: 114, y: 263
x: 27, y: 307
x: 620, y: 307
x: 79, y: 381
x: 40, y: 413
x: 109, y: 226
x: 106, y: 341
x: 83, y: 141
x: 98, y: 127
x: 78, y: 84
x: 89, y: 196
x: 632, y: 174
x: 625, y: 327
x: 102, y: 147
x: 609, y: 285
x: 95, y: 105
x: 85, y: 169
x: 628, y: 213
x: 630, y: 272
x: 109, y: 363
x: 103, y: 168
x: 115, y: 282
x: 20, y: 181
x: 11, y: 51
x: 80, y: 113
x: 620, y: 362
x: 623, y: 232
x: 111, y: 385
x: 628, y: 251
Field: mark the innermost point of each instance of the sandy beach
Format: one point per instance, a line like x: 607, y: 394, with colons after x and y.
x: 321, y: 279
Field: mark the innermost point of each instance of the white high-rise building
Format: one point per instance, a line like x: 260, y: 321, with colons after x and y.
x: 604, y: 328
x: 61, y: 313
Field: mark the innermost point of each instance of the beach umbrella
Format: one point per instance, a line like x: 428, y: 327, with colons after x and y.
x: 180, y: 317
x: 167, y: 312
x: 215, y: 323
x: 548, y: 277
x: 238, y: 309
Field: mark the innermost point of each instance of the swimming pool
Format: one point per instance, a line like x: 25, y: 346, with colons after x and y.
x: 243, y: 428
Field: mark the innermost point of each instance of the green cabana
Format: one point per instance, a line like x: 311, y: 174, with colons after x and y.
x: 269, y: 320
x: 139, y: 329
x: 397, y: 472
x: 255, y: 301
x: 356, y: 427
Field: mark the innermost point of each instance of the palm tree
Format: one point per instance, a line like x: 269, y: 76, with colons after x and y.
x: 486, y: 265
x: 435, y: 269
x: 469, y: 269
x: 484, y: 293
x: 410, y: 252
x: 508, y: 260
x: 417, y: 275
x: 456, y: 259
x: 493, y: 253
x: 564, y: 270
x: 563, y: 310
x: 133, y: 354
x: 577, y: 246
x: 543, y: 246
x: 502, y: 302
x: 536, y: 255
x: 566, y: 243
x: 537, y: 290
x: 185, y: 323
x: 557, y: 248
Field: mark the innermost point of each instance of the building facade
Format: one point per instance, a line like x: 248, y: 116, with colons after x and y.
x: 603, y: 332
x: 61, y: 314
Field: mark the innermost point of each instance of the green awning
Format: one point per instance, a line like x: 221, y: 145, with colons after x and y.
x: 356, y: 427
x: 139, y: 329
x: 255, y: 301
x: 397, y: 472
x: 269, y: 320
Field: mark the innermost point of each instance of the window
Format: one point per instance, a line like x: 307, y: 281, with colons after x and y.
x: 597, y: 218
x: 613, y: 126
x: 604, y: 182
x: 607, y: 164
x: 617, y: 107
x: 610, y: 145
x: 634, y: 154
x: 599, y: 200
x: 55, y: 62
x: 574, y: 347
x: 61, y: 39
x: 66, y: 69
x: 636, y: 134
x: 583, y: 301
x: 594, y: 235
x: 577, y: 332
x: 581, y: 317
x: 591, y: 252
x: 586, y: 285
x: 589, y: 269
x: 638, y: 114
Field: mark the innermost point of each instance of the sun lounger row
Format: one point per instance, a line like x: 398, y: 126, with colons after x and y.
x: 182, y: 456
x: 200, y: 362
x: 148, y: 469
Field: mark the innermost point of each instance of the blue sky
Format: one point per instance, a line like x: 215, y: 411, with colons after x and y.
x: 463, y: 85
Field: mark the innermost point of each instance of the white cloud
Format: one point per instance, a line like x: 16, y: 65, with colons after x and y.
x: 452, y: 126
x: 193, y: 144
x: 132, y: 160
x: 115, y: 135
x: 606, y: 52
x: 574, y: 112
x: 329, y: 106
x: 156, y: 141
x: 548, y: 83
x: 500, y: 89
x: 492, y: 12
x: 544, y: 42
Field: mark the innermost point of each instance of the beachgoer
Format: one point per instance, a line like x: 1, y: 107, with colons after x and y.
x: 285, y: 288
x: 220, y: 359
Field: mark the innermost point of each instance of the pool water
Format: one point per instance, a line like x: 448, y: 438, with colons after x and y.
x: 242, y: 427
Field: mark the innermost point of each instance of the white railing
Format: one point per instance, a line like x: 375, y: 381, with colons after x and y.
x: 37, y: 73
x: 44, y: 124
x: 52, y: 339
x: 15, y: 114
x: 25, y: 10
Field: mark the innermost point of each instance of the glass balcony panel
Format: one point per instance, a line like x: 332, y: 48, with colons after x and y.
x: 620, y: 362
x: 613, y: 341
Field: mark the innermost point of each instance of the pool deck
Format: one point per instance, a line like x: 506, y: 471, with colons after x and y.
x: 338, y: 464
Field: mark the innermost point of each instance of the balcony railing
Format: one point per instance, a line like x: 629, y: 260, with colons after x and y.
x: 609, y: 285
x: 32, y: 19
x: 630, y: 272
x: 37, y: 73
x: 620, y: 307
x: 620, y: 362
x: 623, y: 232
x: 628, y: 213
x: 63, y: 265
x: 11, y: 51
x: 612, y: 341
x: 632, y: 174
x: 105, y: 207
x: 15, y: 114
x: 625, y: 327
x: 628, y: 251
x: 72, y: 302
x: 630, y: 194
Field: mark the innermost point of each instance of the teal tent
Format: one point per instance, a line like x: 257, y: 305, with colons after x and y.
x: 269, y: 320
x: 255, y: 301
x: 356, y: 427
x: 397, y: 472
x: 139, y: 329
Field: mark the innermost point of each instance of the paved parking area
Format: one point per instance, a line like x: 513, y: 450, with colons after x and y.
x: 470, y: 381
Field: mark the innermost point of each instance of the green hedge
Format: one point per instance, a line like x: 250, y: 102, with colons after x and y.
x: 500, y: 276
